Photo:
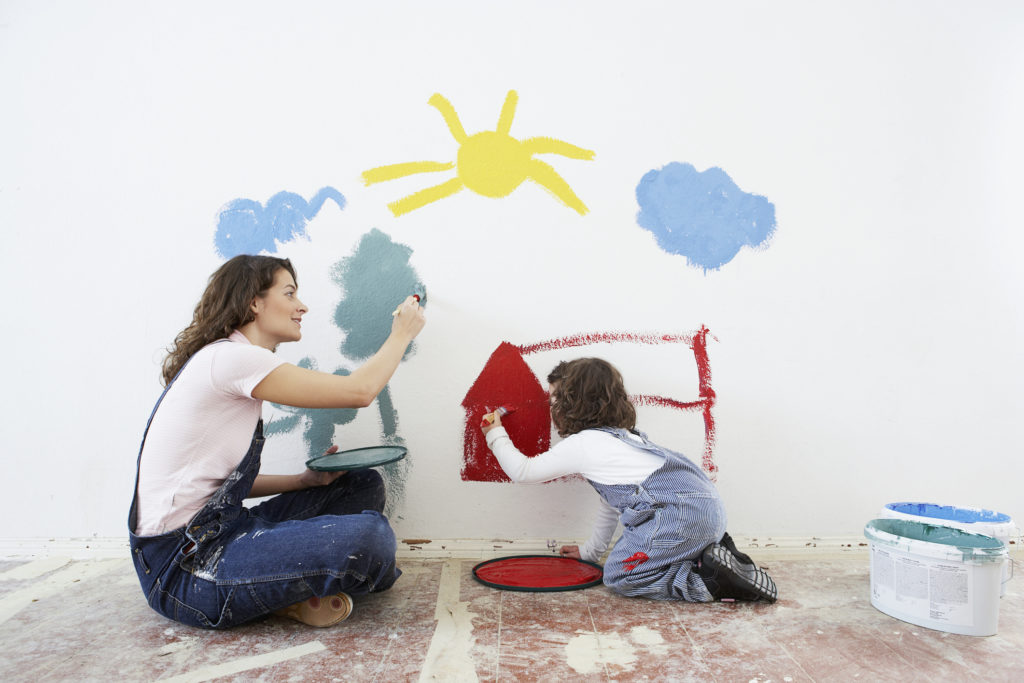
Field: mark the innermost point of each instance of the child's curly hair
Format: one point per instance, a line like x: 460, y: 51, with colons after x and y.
x: 588, y: 393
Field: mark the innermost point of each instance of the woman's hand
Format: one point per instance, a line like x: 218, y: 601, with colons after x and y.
x: 572, y: 551
x: 273, y: 484
x: 486, y: 427
x: 408, y: 318
x: 310, y: 478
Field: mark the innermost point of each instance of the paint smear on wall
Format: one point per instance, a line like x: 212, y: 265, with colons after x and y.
x: 506, y: 380
x: 703, y: 216
x: 375, y: 279
x: 490, y: 163
x: 244, y: 226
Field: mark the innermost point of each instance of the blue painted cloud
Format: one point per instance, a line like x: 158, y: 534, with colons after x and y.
x: 702, y: 216
x: 244, y: 226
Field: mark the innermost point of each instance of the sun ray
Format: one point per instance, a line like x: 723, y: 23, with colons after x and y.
x: 450, y: 117
x: 545, y: 176
x: 491, y: 163
x: 424, y: 197
x: 393, y: 171
x: 545, y: 145
x: 508, y: 111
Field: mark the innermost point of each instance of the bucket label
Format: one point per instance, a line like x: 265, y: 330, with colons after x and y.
x: 926, y: 589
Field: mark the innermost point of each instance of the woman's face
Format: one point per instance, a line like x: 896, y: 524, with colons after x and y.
x: 279, y: 312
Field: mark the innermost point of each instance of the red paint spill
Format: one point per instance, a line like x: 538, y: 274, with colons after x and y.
x: 507, y: 380
x: 540, y: 571
x: 634, y: 561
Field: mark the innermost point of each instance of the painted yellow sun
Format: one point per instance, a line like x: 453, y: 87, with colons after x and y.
x: 490, y: 163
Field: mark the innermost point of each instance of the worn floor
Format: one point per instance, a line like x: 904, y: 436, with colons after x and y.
x: 83, y: 620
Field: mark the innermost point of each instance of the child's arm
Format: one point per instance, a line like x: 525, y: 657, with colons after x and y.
x: 604, y: 528
x: 562, y: 460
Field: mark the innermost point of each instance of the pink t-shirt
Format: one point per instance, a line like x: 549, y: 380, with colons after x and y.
x: 201, y: 432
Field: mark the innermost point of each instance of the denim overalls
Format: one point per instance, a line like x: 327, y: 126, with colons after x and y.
x: 231, y: 564
x: 667, y: 520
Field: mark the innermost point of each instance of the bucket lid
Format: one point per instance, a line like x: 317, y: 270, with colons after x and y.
x: 951, y: 513
x: 935, y: 540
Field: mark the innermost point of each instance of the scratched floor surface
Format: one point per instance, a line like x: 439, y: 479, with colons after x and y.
x: 87, y: 621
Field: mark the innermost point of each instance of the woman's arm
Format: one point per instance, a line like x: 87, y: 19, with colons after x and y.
x: 273, y: 484
x: 291, y: 385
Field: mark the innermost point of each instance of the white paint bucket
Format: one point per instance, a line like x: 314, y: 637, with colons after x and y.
x: 936, y: 576
x: 974, y: 520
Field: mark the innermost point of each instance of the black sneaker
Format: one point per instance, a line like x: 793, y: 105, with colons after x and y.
x: 744, y: 564
x: 725, y: 580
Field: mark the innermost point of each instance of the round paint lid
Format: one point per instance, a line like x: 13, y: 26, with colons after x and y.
x: 950, y: 513
x: 538, y: 573
x: 357, y: 458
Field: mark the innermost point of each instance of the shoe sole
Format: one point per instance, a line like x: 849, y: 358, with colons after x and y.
x: 325, y: 613
x: 755, y: 581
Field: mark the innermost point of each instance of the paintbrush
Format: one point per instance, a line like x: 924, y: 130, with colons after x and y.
x: 418, y: 298
x: 489, y: 418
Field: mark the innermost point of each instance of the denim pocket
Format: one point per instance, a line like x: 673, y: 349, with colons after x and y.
x: 141, y: 560
x: 187, y: 615
x: 634, y: 517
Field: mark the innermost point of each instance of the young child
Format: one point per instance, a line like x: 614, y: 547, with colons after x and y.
x: 673, y: 545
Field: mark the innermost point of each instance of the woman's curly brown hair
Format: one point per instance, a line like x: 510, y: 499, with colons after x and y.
x: 588, y: 393
x: 224, y: 306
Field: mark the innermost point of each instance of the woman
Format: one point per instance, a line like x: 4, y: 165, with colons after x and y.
x: 202, y: 558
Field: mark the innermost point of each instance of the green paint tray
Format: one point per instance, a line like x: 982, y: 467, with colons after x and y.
x: 357, y: 458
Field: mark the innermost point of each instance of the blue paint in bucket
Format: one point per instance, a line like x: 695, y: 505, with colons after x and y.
x: 950, y: 513
x: 971, y: 547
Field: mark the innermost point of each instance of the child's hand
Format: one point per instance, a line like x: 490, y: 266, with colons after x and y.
x: 572, y: 551
x: 486, y: 426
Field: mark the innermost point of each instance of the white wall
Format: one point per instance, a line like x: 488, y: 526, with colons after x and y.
x: 869, y: 352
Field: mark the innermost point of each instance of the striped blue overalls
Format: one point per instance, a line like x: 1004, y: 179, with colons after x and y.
x: 667, y: 520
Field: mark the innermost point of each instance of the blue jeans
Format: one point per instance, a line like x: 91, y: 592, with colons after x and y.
x: 232, y: 564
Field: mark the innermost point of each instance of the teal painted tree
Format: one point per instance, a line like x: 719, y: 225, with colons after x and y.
x: 373, y: 281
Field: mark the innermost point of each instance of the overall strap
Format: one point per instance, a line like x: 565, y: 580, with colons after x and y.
x: 621, y: 434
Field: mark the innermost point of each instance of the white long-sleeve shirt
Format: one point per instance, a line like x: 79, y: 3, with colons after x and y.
x: 596, y: 455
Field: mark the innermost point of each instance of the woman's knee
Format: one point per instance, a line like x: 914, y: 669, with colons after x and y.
x: 377, y: 532
x: 365, y: 485
x: 370, y: 480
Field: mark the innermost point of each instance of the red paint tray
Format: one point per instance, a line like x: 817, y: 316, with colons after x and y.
x: 538, y: 573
